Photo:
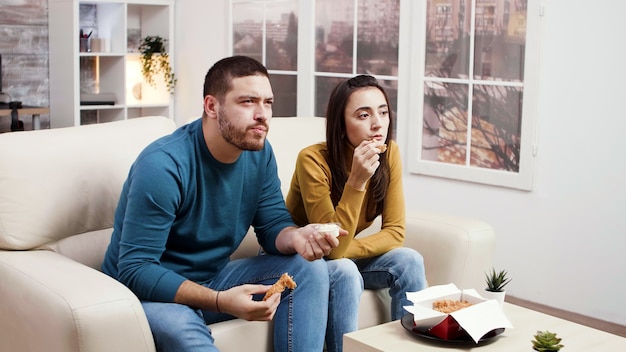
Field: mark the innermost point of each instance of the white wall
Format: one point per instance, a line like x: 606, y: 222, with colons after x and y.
x: 564, y: 242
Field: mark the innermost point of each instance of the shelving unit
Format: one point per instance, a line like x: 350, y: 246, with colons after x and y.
x: 112, y: 67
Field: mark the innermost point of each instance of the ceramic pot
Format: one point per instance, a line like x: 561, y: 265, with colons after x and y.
x: 498, y: 296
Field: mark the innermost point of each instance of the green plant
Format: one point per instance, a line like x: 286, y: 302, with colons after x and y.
x: 496, y: 280
x: 546, y: 341
x: 154, y: 60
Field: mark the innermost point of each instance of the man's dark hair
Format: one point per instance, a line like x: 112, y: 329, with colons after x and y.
x: 218, y: 81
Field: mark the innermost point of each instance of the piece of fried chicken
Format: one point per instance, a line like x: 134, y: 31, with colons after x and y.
x: 284, y: 282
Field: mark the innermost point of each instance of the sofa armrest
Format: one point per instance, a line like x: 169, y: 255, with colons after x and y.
x: 455, y: 249
x: 52, y: 303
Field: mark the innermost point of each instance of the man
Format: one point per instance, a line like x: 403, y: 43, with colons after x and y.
x: 189, y: 200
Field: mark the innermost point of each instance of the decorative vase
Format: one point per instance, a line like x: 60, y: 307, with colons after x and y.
x: 498, y: 296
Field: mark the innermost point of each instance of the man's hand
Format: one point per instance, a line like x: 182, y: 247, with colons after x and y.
x: 312, y: 244
x: 307, y: 241
x: 238, y: 302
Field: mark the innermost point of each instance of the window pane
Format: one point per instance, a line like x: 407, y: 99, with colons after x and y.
x: 275, y: 45
x: 282, y: 35
x: 323, y: 87
x: 334, y: 33
x: 496, y: 127
x: 500, y: 40
x: 248, y: 30
x: 445, y: 122
x: 378, y: 30
x: 447, y: 38
x: 285, y: 95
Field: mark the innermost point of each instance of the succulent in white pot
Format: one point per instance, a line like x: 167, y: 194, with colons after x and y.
x: 496, y: 281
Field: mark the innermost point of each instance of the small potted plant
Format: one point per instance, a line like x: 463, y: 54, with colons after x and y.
x: 155, y: 60
x: 546, y: 341
x: 496, y: 281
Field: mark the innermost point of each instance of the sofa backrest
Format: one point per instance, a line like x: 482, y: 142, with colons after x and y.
x: 289, y: 135
x: 59, y: 187
x: 60, y: 183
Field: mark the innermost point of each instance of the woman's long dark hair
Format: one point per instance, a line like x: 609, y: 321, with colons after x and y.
x: 337, y: 142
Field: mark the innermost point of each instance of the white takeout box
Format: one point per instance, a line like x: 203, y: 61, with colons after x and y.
x: 477, y: 320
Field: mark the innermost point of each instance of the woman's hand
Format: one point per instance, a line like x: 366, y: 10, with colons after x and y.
x: 365, y: 161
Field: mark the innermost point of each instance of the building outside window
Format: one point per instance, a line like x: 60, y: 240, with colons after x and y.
x: 268, y: 32
x: 473, y: 100
x: 351, y: 37
x: 466, y: 69
x: 355, y: 37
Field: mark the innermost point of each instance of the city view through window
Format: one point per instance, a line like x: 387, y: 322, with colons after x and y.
x: 472, y: 69
x: 268, y: 32
x: 351, y: 37
x: 473, y: 82
x: 356, y: 37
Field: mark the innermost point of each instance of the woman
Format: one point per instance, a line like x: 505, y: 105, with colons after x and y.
x: 352, y: 178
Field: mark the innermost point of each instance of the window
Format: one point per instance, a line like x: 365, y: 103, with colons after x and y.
x: 268, y: 32
x: 355, y: 37
x: 347, y: 37
x: 476, y: 122
x: 468, y: 69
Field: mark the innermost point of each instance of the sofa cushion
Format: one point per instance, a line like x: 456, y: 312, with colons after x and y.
x: 62, y: 182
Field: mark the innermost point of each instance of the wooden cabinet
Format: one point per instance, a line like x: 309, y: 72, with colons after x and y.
x: 98, y: 78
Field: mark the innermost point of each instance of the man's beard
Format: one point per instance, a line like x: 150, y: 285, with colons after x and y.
x: 235, y: 136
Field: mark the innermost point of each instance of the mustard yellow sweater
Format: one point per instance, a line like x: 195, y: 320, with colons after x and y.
x: 309, y: 201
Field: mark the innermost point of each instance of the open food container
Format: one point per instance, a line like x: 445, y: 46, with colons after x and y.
x: 481, y: 318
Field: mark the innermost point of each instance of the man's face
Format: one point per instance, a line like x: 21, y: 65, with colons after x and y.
x: 244, y: 116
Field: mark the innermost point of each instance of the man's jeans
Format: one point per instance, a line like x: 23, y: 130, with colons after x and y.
x: 297, y: 327
x: 401, y: 270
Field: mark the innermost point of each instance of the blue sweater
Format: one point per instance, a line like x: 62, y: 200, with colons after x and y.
x: 182, y: 213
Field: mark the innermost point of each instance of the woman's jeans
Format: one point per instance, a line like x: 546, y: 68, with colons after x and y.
x: 401, y: 270
x: 297, y: 327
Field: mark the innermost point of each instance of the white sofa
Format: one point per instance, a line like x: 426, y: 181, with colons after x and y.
x: 58, y: 192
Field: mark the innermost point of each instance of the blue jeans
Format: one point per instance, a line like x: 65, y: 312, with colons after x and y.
x: 179, y: 328
x: 346, y: 286
x: 401, y: 270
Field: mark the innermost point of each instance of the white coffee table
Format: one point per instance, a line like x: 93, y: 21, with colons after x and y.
x: 393, y: 337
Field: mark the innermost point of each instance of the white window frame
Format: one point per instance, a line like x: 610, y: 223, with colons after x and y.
x: 521, y: 180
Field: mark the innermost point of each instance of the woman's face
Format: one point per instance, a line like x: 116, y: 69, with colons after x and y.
x: 367, y: 116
